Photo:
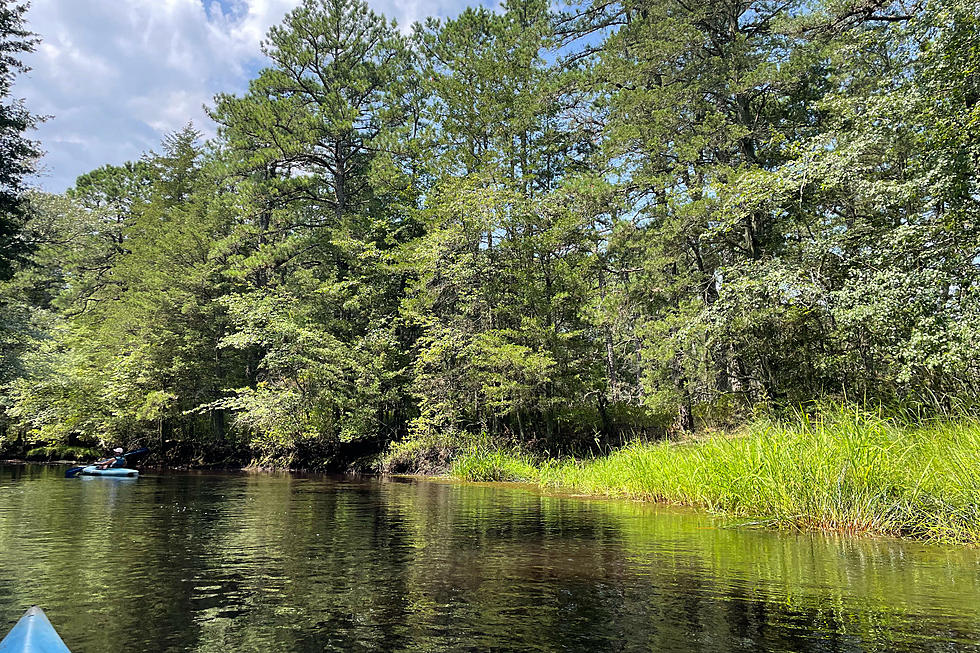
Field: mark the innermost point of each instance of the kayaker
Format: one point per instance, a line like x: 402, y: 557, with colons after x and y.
x: 115, y: 461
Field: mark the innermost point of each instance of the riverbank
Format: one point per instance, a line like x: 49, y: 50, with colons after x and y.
x: 844, y: 471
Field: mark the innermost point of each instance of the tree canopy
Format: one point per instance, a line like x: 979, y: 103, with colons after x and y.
x: 557, y: 227
x: 18, y: 153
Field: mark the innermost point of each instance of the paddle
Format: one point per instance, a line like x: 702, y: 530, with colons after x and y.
x: 73, y: 472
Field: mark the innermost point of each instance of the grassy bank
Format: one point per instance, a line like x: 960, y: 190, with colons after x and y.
x: 844, y: 471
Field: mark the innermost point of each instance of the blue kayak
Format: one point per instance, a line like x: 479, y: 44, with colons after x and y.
x: 92, y: 470
x: 33, y: 634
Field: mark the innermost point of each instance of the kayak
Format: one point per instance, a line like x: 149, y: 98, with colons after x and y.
x: 33, y: 634
x: 92, y: 470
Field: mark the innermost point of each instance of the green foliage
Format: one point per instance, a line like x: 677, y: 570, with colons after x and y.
x: 841, y: 469
x: 315, y: 389
x: 319, y: 154
x: 63, y: 452
x: 18, y: 153
x: 428, y: 453
x: 557, y: 229
x: 493, y: 466
x: 123, y: 288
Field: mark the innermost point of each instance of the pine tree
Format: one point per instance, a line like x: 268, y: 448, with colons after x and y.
x: 17, y: 152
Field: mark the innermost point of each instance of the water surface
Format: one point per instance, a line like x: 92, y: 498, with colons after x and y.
x: 260, y: 562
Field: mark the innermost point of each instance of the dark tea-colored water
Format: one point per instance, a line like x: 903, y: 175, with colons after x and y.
x: 259, y: 562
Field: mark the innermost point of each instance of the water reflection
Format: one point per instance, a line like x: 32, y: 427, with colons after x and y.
x: 258, y: 562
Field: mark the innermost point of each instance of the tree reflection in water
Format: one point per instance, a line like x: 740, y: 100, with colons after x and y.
x: 261, y: 562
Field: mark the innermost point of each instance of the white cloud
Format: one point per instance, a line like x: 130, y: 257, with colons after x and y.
x: 116, y: 75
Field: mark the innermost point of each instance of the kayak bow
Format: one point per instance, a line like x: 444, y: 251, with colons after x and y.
x: 33, y: 634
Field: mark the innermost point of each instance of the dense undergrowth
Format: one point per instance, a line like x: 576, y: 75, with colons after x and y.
x: 842, y: 470
x: 63, y: 452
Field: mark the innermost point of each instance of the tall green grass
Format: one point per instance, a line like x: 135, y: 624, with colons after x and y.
x: 843, y: 470
x: 494, y: 465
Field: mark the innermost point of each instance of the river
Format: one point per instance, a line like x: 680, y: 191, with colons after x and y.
x: 186, y: 562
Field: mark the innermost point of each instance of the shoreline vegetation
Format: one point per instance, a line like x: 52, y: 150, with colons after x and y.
x: 838, y: 468
x: 505, y: 241
x: 842, y: 470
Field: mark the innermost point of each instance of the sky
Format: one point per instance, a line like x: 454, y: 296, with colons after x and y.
x: 115, y: 76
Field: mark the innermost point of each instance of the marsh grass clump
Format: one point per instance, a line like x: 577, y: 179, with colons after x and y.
x: 843, y: 469
x: 495, y: 465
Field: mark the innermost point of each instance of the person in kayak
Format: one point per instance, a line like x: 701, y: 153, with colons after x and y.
x: 119, y: 460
